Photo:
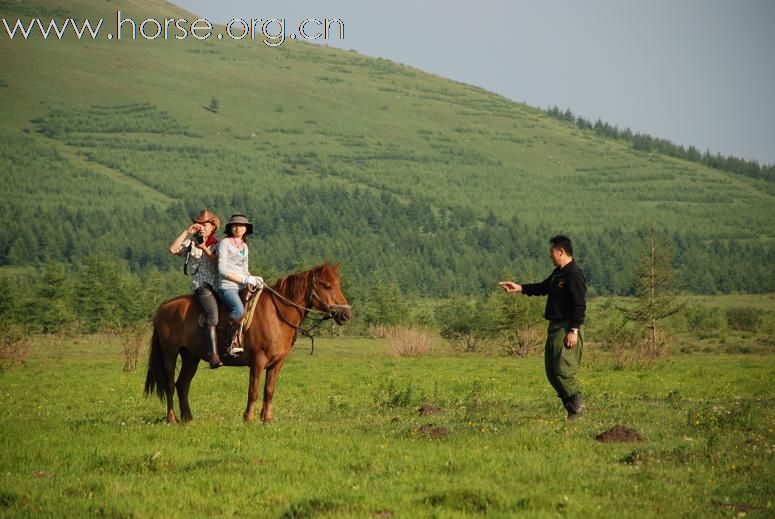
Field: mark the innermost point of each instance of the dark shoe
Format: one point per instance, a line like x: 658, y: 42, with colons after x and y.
x: 214, y: 359
x: 566, y: 403
x: 574, y: 406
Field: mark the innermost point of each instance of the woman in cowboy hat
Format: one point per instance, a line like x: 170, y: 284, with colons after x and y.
x: 202, y: 262
x: 233, y: 272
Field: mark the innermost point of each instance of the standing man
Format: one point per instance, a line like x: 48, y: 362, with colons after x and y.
x: 566, y: 305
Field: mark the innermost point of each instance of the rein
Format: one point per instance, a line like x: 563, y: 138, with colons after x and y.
x: 307, y: 332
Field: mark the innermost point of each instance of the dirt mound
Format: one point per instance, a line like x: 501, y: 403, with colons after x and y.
x: 427, y: 409
x: 435, y: 432
x: 619, y: 433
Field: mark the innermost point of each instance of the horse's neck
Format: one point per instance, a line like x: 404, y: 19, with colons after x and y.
x: 299, y: 289
x: 295, y: 288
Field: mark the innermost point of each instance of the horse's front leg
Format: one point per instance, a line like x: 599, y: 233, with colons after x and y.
x: 255, y: 379
x: 271, y: 379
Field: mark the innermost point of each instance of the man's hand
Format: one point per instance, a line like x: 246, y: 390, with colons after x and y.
x: 510, y: 286
x: 194, y: 227
x: 571, y: 339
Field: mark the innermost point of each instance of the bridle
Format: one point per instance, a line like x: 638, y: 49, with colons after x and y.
x: 328, y: 313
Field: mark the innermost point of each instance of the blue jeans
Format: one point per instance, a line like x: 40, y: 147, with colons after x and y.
x: 230, y: 298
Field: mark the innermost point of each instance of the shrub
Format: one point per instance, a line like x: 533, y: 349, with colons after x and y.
x: 132, y: 340
x: 411, y: 341
x: 523, y: 342
x: 630, y: 345
x: 14, y: 346
x: 463, y: 317
x: 702, y: 320
x: 469, y: 342
x: 745, y: 318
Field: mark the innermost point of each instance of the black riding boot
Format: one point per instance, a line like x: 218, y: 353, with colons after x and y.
x: 215, y: 360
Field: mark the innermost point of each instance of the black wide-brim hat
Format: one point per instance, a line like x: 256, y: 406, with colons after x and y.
x: 239, y: 218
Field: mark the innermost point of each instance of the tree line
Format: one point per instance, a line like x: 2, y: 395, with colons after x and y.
x: 426, y: 251
x: 647, y: 143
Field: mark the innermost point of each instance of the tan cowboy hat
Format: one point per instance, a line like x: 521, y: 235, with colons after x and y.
x: 206, y: 216
x: 239, y: 218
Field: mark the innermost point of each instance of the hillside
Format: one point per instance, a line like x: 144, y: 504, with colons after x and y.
x: 106, y: 146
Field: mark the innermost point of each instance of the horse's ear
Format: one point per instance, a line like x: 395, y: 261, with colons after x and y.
x: 336, y: 267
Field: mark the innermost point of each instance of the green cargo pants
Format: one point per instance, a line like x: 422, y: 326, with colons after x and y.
x: 562, y: 364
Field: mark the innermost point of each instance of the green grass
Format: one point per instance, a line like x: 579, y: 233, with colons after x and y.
x: 78, y: 438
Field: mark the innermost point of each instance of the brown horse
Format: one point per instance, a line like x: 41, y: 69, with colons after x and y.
x: 267, y: 342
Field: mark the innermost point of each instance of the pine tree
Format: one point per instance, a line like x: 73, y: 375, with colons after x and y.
x: 54, y: 299
x: 654, y: 297
x: 10, y: 296
x: 98, y: 293
x: 387, y: 305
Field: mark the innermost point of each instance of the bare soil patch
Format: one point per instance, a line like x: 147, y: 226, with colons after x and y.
x: 620, y: 434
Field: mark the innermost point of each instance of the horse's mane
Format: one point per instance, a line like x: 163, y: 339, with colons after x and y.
x: 294, y: 286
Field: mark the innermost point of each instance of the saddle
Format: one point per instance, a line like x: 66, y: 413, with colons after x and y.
x: 249, y: 298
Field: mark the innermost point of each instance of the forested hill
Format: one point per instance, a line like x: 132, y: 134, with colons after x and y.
x: 107, y: 147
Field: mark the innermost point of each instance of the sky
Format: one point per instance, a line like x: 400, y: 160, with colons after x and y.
x: 696, y: 72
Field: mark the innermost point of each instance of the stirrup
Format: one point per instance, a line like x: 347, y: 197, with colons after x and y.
x: 233, y: 347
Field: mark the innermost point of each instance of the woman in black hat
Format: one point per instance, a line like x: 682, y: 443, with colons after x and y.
x: 234, y: 274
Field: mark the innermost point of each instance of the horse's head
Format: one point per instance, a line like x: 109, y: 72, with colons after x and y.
x: 327, y: 294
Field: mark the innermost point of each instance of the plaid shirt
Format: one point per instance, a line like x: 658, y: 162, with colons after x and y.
x: 203, y: 270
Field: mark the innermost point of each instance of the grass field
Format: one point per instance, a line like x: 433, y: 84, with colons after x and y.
x: 78, y: 438
x: 318, y: 145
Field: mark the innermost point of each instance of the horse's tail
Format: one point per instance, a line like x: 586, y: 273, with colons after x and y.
x: 155, y: 376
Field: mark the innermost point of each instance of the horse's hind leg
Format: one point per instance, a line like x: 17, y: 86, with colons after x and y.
x: 169, y: 384
x: 187, y: 371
